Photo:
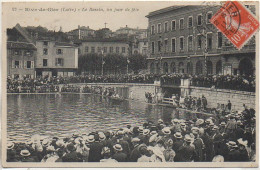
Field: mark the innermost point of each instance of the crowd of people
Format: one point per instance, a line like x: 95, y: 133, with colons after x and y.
x: 231, y: 139
x: 48, y: 84
x: 232, y: 82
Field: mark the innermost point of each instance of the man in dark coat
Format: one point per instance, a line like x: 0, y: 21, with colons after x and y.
x: 186, y: 153
x: 119, y: 155
x: 199, y: 145
x: 72, y: 155
x: 178, y: 142
x: 95, y: 150
x: 135, y: 154
x: 233, y: 154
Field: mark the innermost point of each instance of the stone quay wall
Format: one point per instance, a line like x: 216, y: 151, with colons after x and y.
x: 138, y: 90
x: 221, y: 96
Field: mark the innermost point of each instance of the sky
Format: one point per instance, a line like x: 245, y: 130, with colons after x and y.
x: 132, y: 14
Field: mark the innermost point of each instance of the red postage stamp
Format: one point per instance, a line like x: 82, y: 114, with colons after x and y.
x: 236, y: 22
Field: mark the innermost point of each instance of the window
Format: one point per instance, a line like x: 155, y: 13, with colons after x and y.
x: 111, y: 49
x: 199, y: 41
x: 99, y: 49
x: 173, y: 45
x: 105, y: 49
x: 166, y: 27
x: 209, y: 41
x: 165, y: 44
x: 209, y: 16
x: 190, y: 22
x: 159, y: 28
x: 16, y: 64
x: 28, y: 53
x: 159, y: 46
x: 123, y: 49
x: 29, y: 64
x: 181, y: 43
x: 182, y: 23
x: 117, y: 49
x: 45, y: 62
x: 59, y: 62
x: 199, y: 19
x: 152, y: 47
x: 152, y: 30
x: 86, y: 49
x: 17, y: 52
x: 45, y: 51
x: 45, y: 43
x: 92, y: 49
x: 145, y: 42
x: 59, y: 51
x: 219, y: 39
x: 173, y: 25
x: 190, y: 41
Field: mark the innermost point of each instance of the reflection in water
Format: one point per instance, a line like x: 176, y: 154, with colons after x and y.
x: 64, y: 114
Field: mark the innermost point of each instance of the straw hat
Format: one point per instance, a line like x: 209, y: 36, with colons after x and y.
x: 102, y: 136
x: 232, y: 144
x: 105, y: 150
x: 120, y: 133
x: 10, y: 145
x: 50, y: 148
x: 178, y: 135
x: 166, y: 130
x: 25, y: 152
x: 45, y: 142
x: 60, y: 143
x: 118, y: 147
x: 222, y: 124
x: 241, y: 142
x: 90, y: 139
x: 160, y: 121
x: 78, y: 139
x: 215, y: 127
x: 135, y: 140
x: 146, y: 132
x: 199, y: 122
x: 188, y: 138
x: 153, y: 132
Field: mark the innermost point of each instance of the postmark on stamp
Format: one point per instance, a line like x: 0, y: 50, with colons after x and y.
x: 236, y: 22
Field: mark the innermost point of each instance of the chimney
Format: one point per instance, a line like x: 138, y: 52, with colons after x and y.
x: 126, y: 26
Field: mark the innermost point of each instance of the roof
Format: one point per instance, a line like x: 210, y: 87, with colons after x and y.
x: 20, y: 45
x: 164, y: 10
x: 65, y: 44
x: 105, y: 40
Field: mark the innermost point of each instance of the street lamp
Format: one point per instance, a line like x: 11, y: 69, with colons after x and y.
x: 103, y: 62
x: 128, y: 61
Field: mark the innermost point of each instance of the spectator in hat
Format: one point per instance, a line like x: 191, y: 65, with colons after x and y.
x: 186, y: 153
x: 119, y: 156
x: 239, y: 131
x: 122, y: 142
x: 72, y: 155
x: 135, y: 154
x: 233, y: 154
x: 144, y: 154
x: 27, y: 157
x: 95, y: 150
x: 169, y: 153
x: 242, y: 145
x: 217, y: 141
x: 106, y: 153
x: 199, y: 145
x: 146, y: 136
x: 231, y: 127
x: 177, y: 143
x: 229, y: 106
x: 51, y: 155
x: 11, y: 153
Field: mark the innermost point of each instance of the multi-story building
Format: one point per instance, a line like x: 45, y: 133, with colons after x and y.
x: 56, y: 58
x: 181, y: 39
x: 108, y: 46
x: 21, y: 57
x: 140, y: 46
x: 81, y: 32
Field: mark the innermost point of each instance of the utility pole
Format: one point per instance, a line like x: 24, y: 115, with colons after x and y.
x: 102, y: 66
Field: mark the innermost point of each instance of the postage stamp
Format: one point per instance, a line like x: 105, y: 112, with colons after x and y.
x: 236, y: 22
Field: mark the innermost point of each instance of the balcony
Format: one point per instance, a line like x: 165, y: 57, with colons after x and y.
x: 231, y: 49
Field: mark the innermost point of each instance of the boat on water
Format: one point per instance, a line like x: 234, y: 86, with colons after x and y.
x: 183, y: 110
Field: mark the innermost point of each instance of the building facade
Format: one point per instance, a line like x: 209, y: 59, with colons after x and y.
x: 21, y: 57
x: 108, y: 46
x: 56, y: 59
x: 81, y: 32
x: 181, y: 39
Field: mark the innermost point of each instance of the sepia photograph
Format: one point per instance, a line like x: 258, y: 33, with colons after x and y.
x: 130, y: 84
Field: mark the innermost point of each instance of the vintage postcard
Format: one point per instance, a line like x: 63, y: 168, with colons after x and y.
x: 130, y: 84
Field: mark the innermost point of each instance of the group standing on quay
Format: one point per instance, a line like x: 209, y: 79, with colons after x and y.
x: 230, y: 139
